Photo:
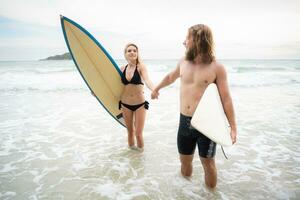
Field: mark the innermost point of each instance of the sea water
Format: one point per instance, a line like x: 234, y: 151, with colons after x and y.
x: 58, y: 142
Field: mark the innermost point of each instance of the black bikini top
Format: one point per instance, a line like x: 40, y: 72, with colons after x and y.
x: 136, y: 78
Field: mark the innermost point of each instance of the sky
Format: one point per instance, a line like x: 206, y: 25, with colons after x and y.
x: 269, y: 29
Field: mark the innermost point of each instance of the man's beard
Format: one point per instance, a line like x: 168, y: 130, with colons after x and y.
x: 190, y: 54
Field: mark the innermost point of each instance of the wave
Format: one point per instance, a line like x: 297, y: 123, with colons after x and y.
x: 84, y: 89
x: 43, y: 90
x: 37, y: 71
x: 265, y: 84
x: 264, y: 69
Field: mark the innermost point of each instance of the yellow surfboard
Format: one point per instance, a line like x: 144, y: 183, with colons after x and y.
x: 97, y: 68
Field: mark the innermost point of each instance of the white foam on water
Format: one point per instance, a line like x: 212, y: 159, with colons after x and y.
x: 7, y: 194
x: 58, y: 142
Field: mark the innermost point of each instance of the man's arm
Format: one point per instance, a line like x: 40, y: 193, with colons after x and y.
x: 167, y: 80
x: 223, y: 88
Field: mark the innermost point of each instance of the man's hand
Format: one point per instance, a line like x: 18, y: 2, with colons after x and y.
x: 233, y: 136
x: 154, y: 94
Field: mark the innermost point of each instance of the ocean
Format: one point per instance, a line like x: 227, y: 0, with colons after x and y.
x: 57, y: 141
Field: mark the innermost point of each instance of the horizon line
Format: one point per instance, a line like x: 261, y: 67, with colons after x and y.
x: 157, y: 59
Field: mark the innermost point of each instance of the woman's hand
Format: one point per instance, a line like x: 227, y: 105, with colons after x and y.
x: 154, y: 94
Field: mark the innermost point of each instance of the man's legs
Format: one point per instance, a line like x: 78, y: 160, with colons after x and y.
x: 210, y: 171
x: 186, y: 165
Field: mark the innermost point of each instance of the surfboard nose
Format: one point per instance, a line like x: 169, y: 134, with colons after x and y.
x: 97, y: 68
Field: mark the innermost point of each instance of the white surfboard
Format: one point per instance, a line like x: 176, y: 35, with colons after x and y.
x: 210, y: 119
x: 96, y: 66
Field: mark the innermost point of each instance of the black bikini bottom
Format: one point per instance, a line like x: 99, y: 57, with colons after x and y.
x: 134, y: 107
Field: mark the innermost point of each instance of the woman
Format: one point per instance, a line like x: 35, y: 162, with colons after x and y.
x: 133, y: 104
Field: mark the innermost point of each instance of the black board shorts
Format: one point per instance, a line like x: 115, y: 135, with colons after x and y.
x: 188, y: 137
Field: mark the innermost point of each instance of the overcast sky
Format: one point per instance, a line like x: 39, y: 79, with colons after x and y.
x: 242, y: 29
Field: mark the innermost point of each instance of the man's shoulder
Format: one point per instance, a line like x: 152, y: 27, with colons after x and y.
x: 181, y: 61
x: 218, y: 66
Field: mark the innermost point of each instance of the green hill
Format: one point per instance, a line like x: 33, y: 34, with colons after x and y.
x: 65, y: 56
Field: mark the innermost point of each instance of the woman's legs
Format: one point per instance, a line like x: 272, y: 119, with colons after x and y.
x: 140, y: 116
x: 128, y: 118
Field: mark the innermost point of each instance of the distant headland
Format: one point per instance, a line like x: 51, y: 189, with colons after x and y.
x: 65, y: 56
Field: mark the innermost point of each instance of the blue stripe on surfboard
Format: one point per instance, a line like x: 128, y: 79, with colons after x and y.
x: 63, y: 18
x: 98, y: 44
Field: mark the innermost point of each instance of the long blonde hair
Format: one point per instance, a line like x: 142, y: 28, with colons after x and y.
x: 202, y: 45
x: 138, y: 60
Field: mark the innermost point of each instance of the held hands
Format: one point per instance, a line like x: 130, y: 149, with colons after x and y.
x: 154, y: 94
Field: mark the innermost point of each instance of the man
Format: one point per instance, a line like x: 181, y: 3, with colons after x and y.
x: 196, y: 71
